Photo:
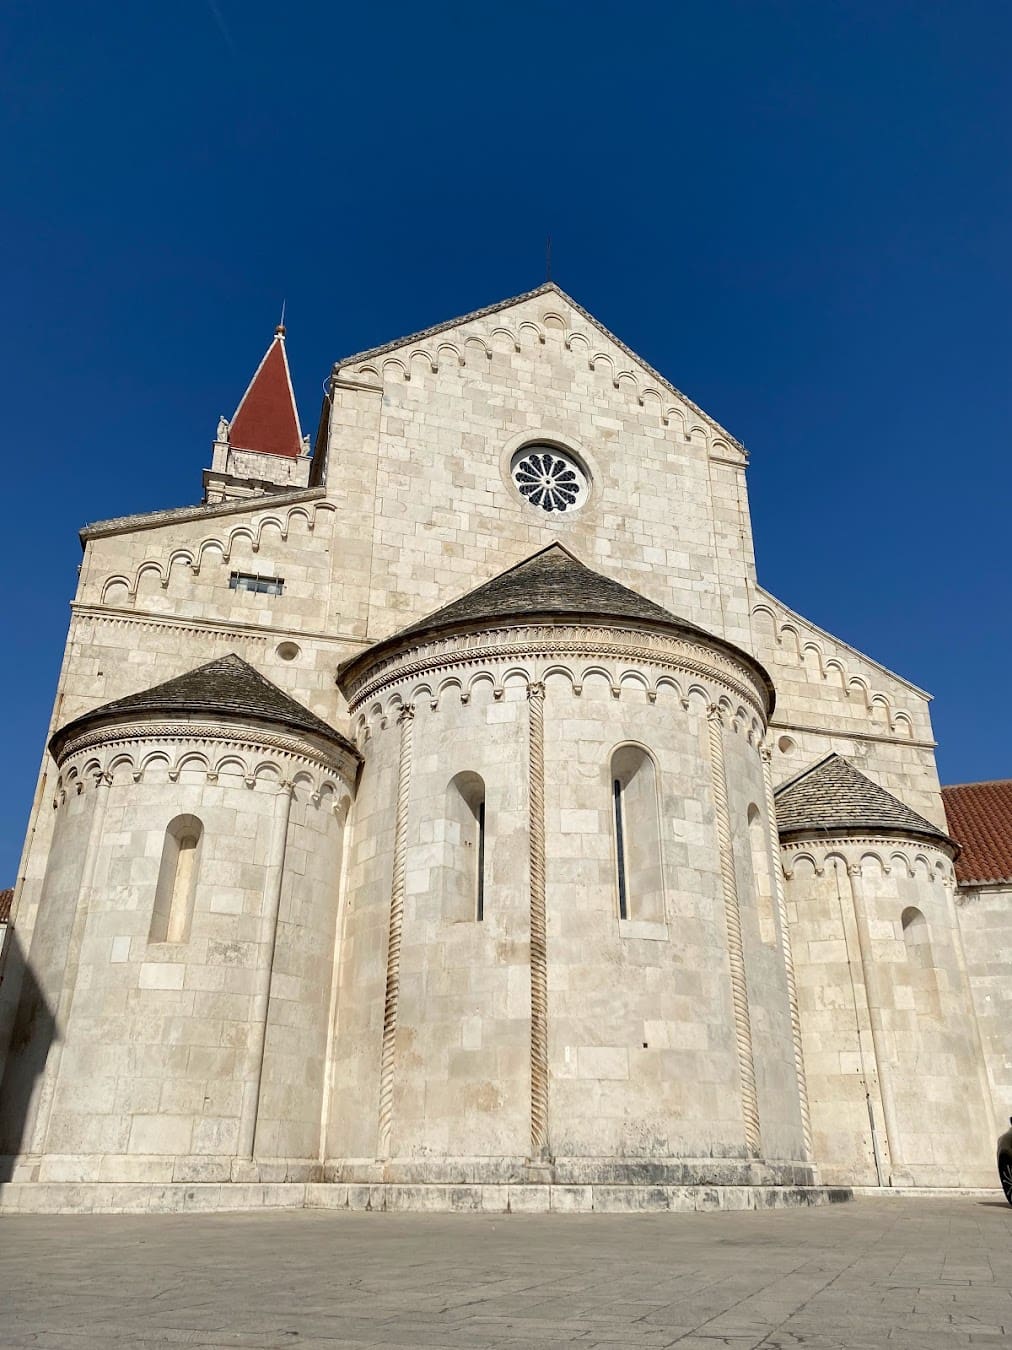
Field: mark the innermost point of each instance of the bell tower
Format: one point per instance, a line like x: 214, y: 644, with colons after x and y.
x: 262, y: 449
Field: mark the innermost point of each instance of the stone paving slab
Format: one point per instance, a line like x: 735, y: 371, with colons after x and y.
x: 871, y: 1275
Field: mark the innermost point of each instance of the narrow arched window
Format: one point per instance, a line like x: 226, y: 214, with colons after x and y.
x: 177, y: 881
x: 639, y: 883
x: 464, y: 849
x: 762, y: 873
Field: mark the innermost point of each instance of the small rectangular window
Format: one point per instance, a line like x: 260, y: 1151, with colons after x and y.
x: 253, y: 581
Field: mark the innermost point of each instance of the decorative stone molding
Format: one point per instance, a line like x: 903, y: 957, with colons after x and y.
x: 765, y: 754
x: 441, y: 348
x: 406, y: 720
x: 539, y: 926
x: 251, y: 753
x: 914, y: 858
x: 493, y: 652
x: 788, y: 635
x: 735, y: 948
x: 193, y: 556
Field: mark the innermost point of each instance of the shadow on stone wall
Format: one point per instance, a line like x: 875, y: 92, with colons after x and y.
x: 32, y: 1036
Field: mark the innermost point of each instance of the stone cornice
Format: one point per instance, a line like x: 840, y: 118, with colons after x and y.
x: 243, y: 737
x: 547, y: 642
x: 152, y: 520
x: 247, y: 632
x: 878, y: 737
x: 845, y: 846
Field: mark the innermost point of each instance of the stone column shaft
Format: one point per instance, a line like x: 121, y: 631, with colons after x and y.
x: 788, y: 957
x: 873, y: 997
x: 267, y: 944
x: 539, y: 932
x: 393, y: 982
x: 735, y: 948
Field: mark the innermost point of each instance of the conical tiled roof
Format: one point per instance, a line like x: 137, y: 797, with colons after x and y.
x: 554, y: 584
x: 552, y: 581
x: 832, y: 797
x: 228, y: 687
x: 267, y: 419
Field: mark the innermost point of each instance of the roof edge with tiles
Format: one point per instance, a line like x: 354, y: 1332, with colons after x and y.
x: 553, y: 586
x: 227, y: 689
x: 831, y: 799
x: 980, y: 818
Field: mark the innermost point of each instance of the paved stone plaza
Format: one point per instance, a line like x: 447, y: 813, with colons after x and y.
x: 875, y: 1273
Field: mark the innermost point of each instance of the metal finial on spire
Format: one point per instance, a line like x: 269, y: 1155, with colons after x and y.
x: 280, y: 330
x: 548, y: 258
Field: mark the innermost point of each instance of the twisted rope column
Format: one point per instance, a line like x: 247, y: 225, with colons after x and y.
x: 735, y: 950
x: 393, y: 987
x: 786, y: 952
x: 539, y: 935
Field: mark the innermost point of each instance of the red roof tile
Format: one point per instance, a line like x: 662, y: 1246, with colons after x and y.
x: 980, y: 819
x: 267, y: 419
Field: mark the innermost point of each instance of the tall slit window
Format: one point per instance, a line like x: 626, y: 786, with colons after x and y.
x: 177, y: 881
x: 639, y: 882
x: 464, y: 869
x: 623, y: 885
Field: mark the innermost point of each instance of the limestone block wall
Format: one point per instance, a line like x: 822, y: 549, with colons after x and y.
x: 552, y: 1028
x: 420, y: 437
x: 155, y: 1066
x: 154, y: 601
x: 832, y: 698
x: 460, y: 1086
x: 886, y: 1015
x: 985, y: 924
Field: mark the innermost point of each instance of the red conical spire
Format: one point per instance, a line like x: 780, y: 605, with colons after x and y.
x: 267, y: 419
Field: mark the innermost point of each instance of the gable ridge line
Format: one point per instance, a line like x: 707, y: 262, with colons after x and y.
x: 291, y: 388
x: 547, y: 287
x: 982, y: 782
x: 824, y: 632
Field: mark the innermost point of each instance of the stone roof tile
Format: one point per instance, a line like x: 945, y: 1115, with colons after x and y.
x: 980, y: 817
x: 228, y: 686
x: 553, y: 584
x: 832, y: 797
x: 552, y: 581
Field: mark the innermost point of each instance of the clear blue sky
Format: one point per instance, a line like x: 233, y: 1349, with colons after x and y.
x: 799, y: 212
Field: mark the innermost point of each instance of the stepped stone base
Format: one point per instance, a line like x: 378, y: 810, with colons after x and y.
x: 40, y: 1197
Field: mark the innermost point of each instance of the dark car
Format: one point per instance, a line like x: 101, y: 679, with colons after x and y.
x: 1005, y: 1162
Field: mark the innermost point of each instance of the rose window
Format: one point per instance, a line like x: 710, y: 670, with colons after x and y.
x: 549, y: 479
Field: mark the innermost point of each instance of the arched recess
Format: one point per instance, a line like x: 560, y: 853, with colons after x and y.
x: 762, y: 874
x: 636, y: 830
x: 464, y: 862
x: 920, y: 962
x: 177, y: 881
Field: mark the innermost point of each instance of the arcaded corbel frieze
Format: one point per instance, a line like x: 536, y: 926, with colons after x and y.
x: 447, y: 345
x: 622, y: 653
x: 885, y: 854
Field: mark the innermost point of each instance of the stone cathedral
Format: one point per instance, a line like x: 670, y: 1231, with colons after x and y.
x: 445, y: 816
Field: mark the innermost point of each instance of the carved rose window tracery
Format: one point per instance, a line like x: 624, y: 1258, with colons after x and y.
x: 550, y: 479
